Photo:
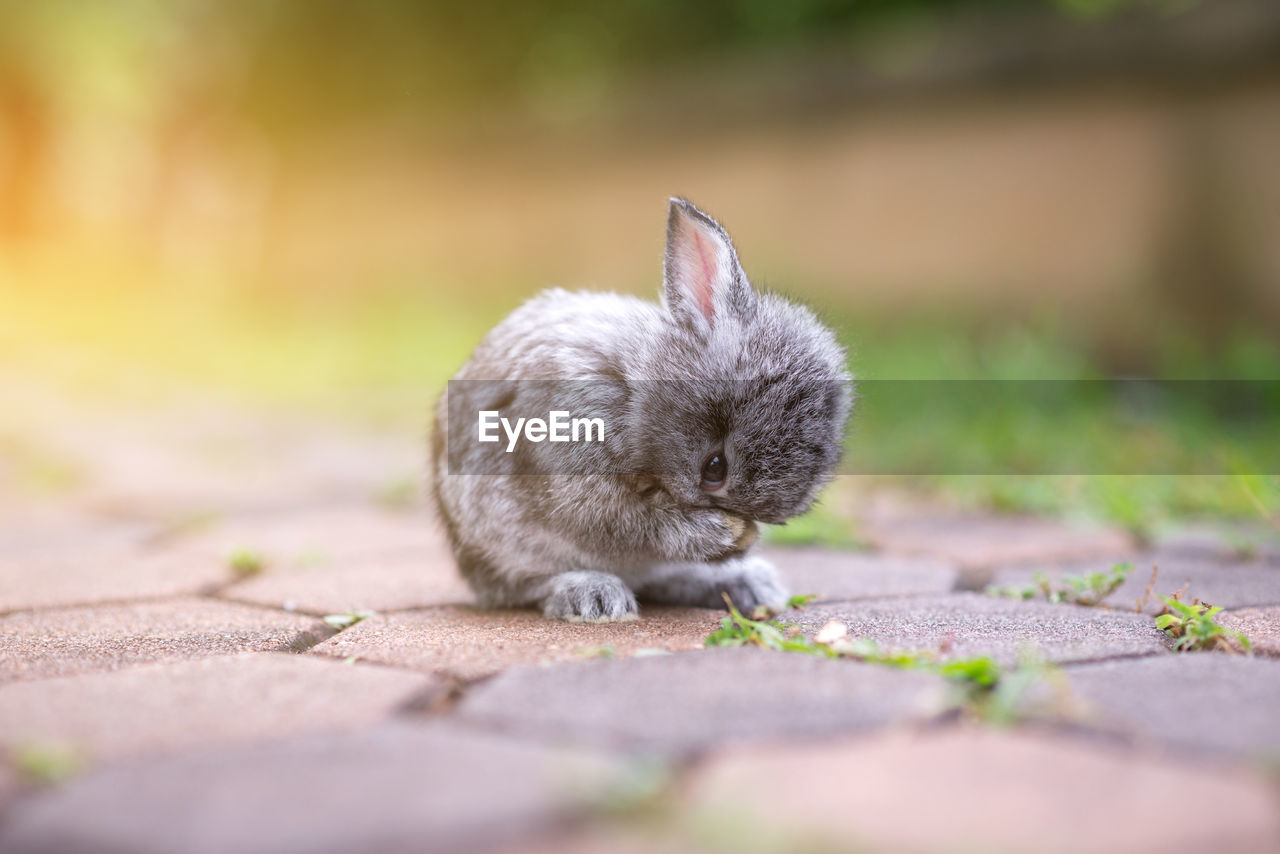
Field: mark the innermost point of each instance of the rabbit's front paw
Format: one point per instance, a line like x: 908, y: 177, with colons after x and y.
x: 589, y: 597
x: 755, y: 583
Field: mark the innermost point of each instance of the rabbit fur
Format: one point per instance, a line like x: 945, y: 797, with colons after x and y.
x: 716, y: 368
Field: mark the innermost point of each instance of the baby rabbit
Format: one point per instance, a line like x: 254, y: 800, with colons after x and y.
x: 720, y: 407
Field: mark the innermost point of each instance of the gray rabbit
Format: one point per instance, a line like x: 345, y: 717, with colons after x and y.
x: 718, y: 408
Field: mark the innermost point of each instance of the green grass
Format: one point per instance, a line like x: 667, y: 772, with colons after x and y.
x: 984, y: 688
x: 901, y: 435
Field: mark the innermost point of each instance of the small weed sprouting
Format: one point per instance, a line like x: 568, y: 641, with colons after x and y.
x: 1193, y: 627
x: 47, y: 763
x: 987, y: 690
x: 347, y: 620
x: 759, y: 630
x: 1089, y: 589
x: 245, y: 563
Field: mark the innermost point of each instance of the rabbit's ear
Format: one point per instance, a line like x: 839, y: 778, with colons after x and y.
x: 702, y: 280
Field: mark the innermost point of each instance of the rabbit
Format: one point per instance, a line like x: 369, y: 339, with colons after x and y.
x: 723, y: 407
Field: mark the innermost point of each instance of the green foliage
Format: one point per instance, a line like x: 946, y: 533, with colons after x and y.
x: 1079, y: 433
x: 1089, y: 589
x: 433, y: 60
x: 986, y: 689
x: 1002, y: 702
x: 818, y: 527
x: 981, y: 671
x: 1263, y: 494
x: 739, y: 630
x: 46, y: 763
x: 1193, y: 626
x: 246, y: 563
x: 800, y: 600
x: 348, y: 619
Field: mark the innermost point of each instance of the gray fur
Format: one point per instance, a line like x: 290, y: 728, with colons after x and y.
x: 576, y: 530
x: 750, y: 580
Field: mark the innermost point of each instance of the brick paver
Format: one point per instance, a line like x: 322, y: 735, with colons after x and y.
x: 843, y: 575
x: 209, y: 701
x: 64, y: 577
x: 1260, y: 625
x: 470, y: 643
x: 36, y: 644
x: 1254, y: 541
x: 966, y: 790
x: 1219, y: 581
x: 1204, y: 701
x: 692, y: 700
x: 977, y: 543
x: 394, y: 581
x: 127, y: 638
x: 393, y: 787
x: 296, y: 538
x: 967, y: 624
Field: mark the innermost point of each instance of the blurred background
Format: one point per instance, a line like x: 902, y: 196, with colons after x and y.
x: 249, y: 219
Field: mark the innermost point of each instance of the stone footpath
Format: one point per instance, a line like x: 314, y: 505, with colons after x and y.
x: 154, y: 698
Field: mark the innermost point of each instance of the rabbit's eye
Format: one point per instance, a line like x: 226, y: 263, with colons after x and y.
x: 714, y: 470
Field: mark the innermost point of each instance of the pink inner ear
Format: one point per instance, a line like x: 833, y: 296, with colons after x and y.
x: 701, y: 268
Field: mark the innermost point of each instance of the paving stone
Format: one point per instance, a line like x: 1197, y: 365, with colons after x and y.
x: 202, y: 454
x: 969, y: 624
x: 68, y: 641
x: 470, y: 643
x: 108, y: 575
x: 693, y: 700
x: 230, y: 698
x: 1241, y: 541
x: 323, y: 536
x: 323, y: 556
x: 965, y: 790
x: 977, y: 543
x: 842, y: 575
x: 647, y: 837
x: 1260, y: 625
x: 396, y: 581
x: 397, y: 787
x: 1231, y: 584
x: 9, y: 785
x: 43, y: 532
x: 1210, y: 701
